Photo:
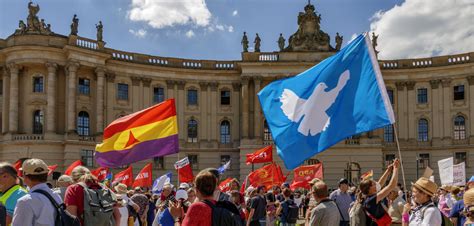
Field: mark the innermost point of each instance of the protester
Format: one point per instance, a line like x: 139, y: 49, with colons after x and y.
x: 343, y: 200
x: 218, y: 195
x: 142, y: 201
x: 150, y: 215
x: 425, y: 212
x: 258, y: 204
x: 284, y: 210
x: 64, y: 181
x: 445, y: 202
x: 395, y: 209
x: 326, y: 212
x: 469, y: 203
x: 191, y: 195
x: 122, y: 206
x: 456, y: 215
x: 235, y: 197
x: 3, y: 215
x: 10, y: 191
x: 312, y: 201
x: 271, y: 209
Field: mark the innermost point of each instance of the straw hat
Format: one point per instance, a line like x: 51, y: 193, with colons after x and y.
x: 446, y: 188
x: 425, y: 185
x: 469, y: 199
x: 121, y: 188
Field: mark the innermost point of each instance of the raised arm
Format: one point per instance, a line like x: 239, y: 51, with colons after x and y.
x: 393, y: 182
x: 385, y: 175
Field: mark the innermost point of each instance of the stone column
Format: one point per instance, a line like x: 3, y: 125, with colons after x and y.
x: 203, y: 124
x: 147, y: 94
x: 14, y: 71
x: 180, y: 107
x: 134, y: 98
x: 111, y: 97
x: 245, y: 107
x: 100, y: 72
x: 470, y: 79
x: 402, y: 111
x: 235, y: 110
x: 51, y: 97
x: 447, y: 99
x: 170, y: 87
x: 71, y: 99
x: 6, y: 100
x: 435, y: 93
x: 411, y: 103
x: 257, y: 111
x: 215, y: 127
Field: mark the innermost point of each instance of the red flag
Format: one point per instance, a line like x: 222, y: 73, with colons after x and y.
x: 244, y: 184
x: 261, y: 156
x: 72, y: 166
x: 185, y: 172
x: 17, y: 165
x: 124, y: 177
x: 52, y: 169
x: 224, y: 186
x: 304, y: 174
x: 100, y: 173
x: 144, y: 177
x: 267, y: 176
x: 280, y: 174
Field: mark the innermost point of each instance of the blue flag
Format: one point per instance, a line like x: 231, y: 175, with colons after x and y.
x: 223, y: 168
x: 160, y: 182
x: 342, y: 96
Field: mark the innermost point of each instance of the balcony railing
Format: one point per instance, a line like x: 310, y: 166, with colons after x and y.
x: 21, y: 137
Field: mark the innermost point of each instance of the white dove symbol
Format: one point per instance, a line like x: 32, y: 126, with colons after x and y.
x: 313, y: 110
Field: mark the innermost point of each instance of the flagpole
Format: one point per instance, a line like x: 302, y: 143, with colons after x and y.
x: 395, y: 131
x: 177, y: 171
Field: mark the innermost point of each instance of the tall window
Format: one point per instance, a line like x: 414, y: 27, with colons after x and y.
x: 225, y: 97
x: 83, y: 124
x: 424, y: 160
x: 459, y: 128
x: 389, y: 159
x: 422, y: 95
x: 158, y: 94
x: 159, y: 162
x: 267, y: 135
x: 87, y: 157
x: 388, y: 135
x: 225, y: 132
x: 122, y: 91
x: 459, y: 92
x: 460, y: 157
x: 423, y: 130
x: 390, y: 95
x: 192, y: 97
x: 38, y: 84
x: 192, y: 131
x: 38, y: 118
x: 84, y: 86
x: 193, y: 160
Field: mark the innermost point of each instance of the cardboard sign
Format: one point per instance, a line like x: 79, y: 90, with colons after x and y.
x: 459, y: 174
x: 445, y: 167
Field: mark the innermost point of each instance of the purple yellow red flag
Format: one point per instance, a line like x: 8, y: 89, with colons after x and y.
x: 152, y: 132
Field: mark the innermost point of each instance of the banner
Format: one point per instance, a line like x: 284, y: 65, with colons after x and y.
x: 459, y: 174
x: 261, y: 156
x: 225, y: 185
x: 445, y: 167
x: 144, y: 177
x: 367, y: 175
x: 223, y: 168
x: 185, y: 173
x: 72, y: 166
x: 304, y: 174
x: 100, y: 173
x: 52, y: 169
x: 124, y: 177
x: 160, y: 183
x: 266, y: 176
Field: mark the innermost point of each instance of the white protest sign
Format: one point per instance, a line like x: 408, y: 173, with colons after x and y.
x: 459, y: 174
x: 445, y: 167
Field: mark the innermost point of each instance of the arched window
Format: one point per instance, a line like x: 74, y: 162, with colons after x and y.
x: 423, y: 130
x: 83, y: 124
x: 225, y: 132
x: 459, y: 128
x: 38, y: 118
x: 192, y: 131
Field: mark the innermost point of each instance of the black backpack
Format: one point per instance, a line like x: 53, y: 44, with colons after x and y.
x: 63, y: 218
x: 293, y: 212
x: 224, y: 213
x: 3, y: 215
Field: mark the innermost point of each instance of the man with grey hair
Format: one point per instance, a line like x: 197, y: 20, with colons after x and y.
x: 326, y: 212
x: 395, y: 209
x: 63, y: 182
x: 10, y: 191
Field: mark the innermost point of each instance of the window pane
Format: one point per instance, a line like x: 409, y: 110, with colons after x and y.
x: 192, y: 131
x: 267, y: 135
x: 423, y: 130
x: 38, y: 118
x: 225, y: 132
x: 158, y: 95
x: 388, y: 134
x: 225, y: 97
x: 122, y: 91
x: 424, y: 161
x: 193, y: 160
x: 460, y: 157
x: 38, y: 84
x: 422, y: 96
x: 459, y: 92
x: 87, y: 157
x: 390, y: 95
x: 158, y: 162
x: 83, y: 124
x: 459, y: 128
x: 192, y: 97
x: 84, y: 86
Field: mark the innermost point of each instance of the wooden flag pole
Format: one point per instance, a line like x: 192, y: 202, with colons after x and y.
x: 395, y: 131
x: 177, y: 171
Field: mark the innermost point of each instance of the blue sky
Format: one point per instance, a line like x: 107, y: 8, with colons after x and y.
x: 212, y: 29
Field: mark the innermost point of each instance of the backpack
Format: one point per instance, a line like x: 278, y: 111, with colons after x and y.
x: 63, y: 218
x: 98, y: 206
x: 443, y: 223
x: 224, y: 213
x: 293, y: 211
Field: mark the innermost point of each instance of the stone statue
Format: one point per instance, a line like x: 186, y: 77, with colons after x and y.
x: 74, y: 25
x: 257, y: 44
x: 374, y: 40
x: 245, y: 42
x: 99, y: 31
x: 33, y: 24
x: 21, y: 28
x: 281, y: 42
x: 338, y: 41
x: 32, y: 20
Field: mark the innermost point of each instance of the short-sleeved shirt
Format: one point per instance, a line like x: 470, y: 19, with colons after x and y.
x: 260, y: 205
x: 75, y: 197
x: 426, y: 215
x: 285, y: 205
x: 343, y: 201
x: 199, y: 214
x: 15, y: 193
x: 375, y: 209
x: 325, y: 213
x: 456, y: 211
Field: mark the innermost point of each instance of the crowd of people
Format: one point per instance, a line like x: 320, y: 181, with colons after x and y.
x: 31, y: 200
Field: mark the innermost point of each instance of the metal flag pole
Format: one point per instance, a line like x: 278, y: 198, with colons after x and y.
x: 177, y: 171
x: 395, y: 131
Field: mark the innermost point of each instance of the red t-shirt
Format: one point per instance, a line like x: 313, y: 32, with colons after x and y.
x: 75, y: 197
x: 199, y: 214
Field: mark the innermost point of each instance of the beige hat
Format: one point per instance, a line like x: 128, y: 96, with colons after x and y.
x: 469, y: 199
x: 35, y: 167
x: 314, y: 181
x: 446, y: 187
x: 426, y: 186
x: 65, y: 178
x: 121, y: 188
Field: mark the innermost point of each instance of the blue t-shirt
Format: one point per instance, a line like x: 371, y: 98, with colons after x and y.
x: 285, y: 210
x: 151, y: 213
x: 456, y: 211
x: 166, y: 219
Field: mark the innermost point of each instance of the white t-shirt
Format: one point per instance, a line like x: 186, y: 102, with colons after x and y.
x: 426, y: 216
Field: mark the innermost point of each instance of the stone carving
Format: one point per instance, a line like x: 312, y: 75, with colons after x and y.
x: 338, y: 41
x: 74, y: 25
x: 257, y: 44
x: 34, y: 24
x: 309, y: 36
x: 245, y: 42
x: 99, y: 31
x: 281, y: 42
x: 374, y: 42
x: 21, y: 28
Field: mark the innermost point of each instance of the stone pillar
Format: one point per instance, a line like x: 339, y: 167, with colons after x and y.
x: 134, y: 98
x: 215, y: 127
x: 100, y: 72
x: 257, y: 111
x: 71, y: 99
x: 180, y: 107
x: 235, y: 111
x: 435, y: 93
x: 470, y: 79
x: 170, y: 87
x: 6, y: 100
x: 203, y: 124
x: 14, y: 71
x: 147, y: 94
x: 447, y: 121
x: 402, y: 111
x: 411, y: 103
x: 111, y: 97
x: 245, y: 107
x: 51, y: 97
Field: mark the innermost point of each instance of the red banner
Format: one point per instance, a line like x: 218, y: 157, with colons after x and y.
x: 304, y: 174
x: 124, y: 177
x: 267, y: 176
x: 72, y: 166
x: 144, y: 177
x: 52, y: 169
x: 261, y: 156
x: 224, y: 186
x: 17, y: 165
x: 185, y: 173
x: 100, y: 173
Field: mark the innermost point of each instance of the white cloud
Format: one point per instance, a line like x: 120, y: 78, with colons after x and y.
x: 190, y: 34
x: 139, y: 33
x: 235, y: 13
x: 220, y: 27
x: 424, y: 28
x: 165, y: 13
x: 230, y: 28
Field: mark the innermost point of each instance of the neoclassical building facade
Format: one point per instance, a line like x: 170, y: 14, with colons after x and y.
x: 60, y: 92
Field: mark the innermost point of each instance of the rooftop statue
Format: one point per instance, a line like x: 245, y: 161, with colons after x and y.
x: 74, y: 25
x: 34, y: 24
x: 374, y: 43
x: 338, y: 41
x: 309, y: 36
x: 281, y: 42
x: 245, y: 42
x: 257, y: 44
x: 99, y: 31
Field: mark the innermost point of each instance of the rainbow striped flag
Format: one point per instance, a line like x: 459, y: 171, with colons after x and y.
x: 149, y: 133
